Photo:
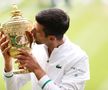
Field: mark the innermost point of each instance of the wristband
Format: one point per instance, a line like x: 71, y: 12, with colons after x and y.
x: 9, y: 76
x: 45, y: 83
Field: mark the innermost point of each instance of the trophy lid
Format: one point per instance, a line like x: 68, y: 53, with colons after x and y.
x: 16, y: 28
x: 17, y: 24
x: 16, y: 11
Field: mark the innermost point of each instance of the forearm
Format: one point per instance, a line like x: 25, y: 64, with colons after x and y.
x: 8, y: 66
x: 39, y: 73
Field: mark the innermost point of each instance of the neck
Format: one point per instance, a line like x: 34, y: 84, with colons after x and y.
x: 54, y: 45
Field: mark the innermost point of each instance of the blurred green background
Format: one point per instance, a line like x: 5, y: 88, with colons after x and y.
x: 88, y: 28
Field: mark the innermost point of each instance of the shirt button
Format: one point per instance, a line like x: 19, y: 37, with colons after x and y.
x: 47, y: 61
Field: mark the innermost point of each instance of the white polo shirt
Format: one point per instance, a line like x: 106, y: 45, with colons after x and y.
x: 67, y: 69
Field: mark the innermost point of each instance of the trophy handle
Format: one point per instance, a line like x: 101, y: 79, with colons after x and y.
x: 29, y: 37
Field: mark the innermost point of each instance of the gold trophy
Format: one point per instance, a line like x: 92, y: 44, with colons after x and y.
x: 17, y: 29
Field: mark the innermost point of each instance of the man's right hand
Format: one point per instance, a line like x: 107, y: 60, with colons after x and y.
x: 5, y: 52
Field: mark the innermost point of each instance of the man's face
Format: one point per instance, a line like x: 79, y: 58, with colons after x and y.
x: 39, y: 34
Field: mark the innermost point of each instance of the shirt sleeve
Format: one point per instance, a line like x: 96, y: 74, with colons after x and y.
x: 47, y: 84
x: 14, y: 81
x: 74, y: 77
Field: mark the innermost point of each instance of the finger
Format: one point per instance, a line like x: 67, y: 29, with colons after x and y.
x: 4, y: 45
x: 2, y: 38
x: 20, y: 61
x: 21, y: 65
x: 22, y: 57
x: 6, y: 50
x: 0, y: 34
x: 23, y: 52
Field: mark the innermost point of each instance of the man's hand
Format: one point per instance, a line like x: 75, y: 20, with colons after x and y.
x: 27, y: 60
x: 5, y: 51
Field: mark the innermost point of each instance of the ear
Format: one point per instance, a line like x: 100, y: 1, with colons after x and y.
x: 52, y: 38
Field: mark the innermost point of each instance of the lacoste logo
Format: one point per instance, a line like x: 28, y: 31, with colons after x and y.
x: 58, y: 66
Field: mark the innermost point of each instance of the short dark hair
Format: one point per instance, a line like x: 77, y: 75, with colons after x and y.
x: 55, y: 22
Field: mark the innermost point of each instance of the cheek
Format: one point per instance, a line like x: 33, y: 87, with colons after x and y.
x: 39, y: 35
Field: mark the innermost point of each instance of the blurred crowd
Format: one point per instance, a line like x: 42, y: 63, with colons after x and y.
x: 55, y: 3
x: 68, y: 3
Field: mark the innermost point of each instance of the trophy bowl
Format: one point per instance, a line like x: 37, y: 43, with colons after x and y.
x: 17, y: 29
